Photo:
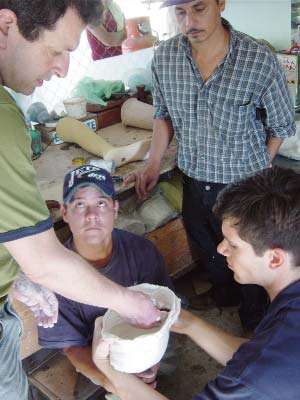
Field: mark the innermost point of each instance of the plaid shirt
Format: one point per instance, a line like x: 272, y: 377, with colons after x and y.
x: 220, y: 138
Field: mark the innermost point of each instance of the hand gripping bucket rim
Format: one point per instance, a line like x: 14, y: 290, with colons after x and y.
x: 141, y: 352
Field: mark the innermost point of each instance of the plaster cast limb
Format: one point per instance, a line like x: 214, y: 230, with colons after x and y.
x: 137, y: 113
x: 71, y: 130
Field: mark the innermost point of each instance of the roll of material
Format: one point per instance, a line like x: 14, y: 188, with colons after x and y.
x: 138, y: 114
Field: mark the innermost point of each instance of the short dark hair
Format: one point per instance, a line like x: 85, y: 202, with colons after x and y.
x: 34, y: 16
x: 267, y: 209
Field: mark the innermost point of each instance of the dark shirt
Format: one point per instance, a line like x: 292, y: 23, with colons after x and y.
x: 134, y: 260
x: 268, y: 366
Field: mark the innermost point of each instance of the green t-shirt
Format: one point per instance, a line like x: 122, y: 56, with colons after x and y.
x: 22, y: 210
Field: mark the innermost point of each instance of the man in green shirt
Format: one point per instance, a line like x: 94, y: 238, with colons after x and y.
x: 36, y: 38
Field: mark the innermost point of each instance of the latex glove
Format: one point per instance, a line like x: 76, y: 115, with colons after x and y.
x: 40, y: 300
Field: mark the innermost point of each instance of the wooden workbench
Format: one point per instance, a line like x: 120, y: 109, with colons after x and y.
x: 54, y: 163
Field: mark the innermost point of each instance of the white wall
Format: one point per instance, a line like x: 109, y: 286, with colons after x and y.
x: 263, y: 19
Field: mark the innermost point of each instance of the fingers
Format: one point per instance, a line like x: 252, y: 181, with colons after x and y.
x: 143, y: 313
x: 144, y: 182
x: 147, y: 376
x: 103, y: 350
x: 136, y: 179
x: 151, y: 185
x: 100, y: 348
x: 131, y: 178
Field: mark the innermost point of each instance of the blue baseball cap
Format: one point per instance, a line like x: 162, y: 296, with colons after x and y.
x: 169, y: 3
x: 87, y: 175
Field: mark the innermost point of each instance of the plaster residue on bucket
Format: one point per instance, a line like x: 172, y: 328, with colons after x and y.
x: 127, y: 331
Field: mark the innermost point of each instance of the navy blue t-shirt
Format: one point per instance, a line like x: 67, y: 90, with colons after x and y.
x: 134, y: 260
x: 268, y: 366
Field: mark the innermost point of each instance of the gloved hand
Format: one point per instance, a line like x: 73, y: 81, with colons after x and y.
x: 40, y: 300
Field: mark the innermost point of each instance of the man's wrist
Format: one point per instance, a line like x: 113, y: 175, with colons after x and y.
x: 154, y: 163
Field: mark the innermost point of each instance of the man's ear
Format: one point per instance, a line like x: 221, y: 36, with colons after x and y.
x: 63, y: 212
x: 116, y: 208
x: 278, y: 258
x: 222, y: 4
x: 7, y: 19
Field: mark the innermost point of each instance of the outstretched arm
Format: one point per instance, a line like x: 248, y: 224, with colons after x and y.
x: 216, y: 342
x: 47, y: 262
x: 81, y: 358
x: 146, y: 180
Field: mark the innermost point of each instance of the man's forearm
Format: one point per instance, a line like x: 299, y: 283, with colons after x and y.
x: 111, y: 39
x: 162, y: 135
x: 81, y: 358
x: 45, y: 261
x: 273, y: 145
x: 213, y: 340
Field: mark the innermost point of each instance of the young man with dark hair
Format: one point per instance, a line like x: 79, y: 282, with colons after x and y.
x: 260, y: 222
x: 36, y: 38
x: 224, y: 97
x: 90, y: 209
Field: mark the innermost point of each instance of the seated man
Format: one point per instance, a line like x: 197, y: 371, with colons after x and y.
x: 90, y: 209
x: 261, y: 227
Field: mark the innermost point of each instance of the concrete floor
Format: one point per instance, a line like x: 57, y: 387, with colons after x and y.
x: 192, y: 367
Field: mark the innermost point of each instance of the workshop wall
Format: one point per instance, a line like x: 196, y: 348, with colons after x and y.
x: 264, y: 19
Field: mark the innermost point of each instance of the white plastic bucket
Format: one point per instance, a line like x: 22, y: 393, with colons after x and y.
x: 75, y: 107
x: 135, y: 350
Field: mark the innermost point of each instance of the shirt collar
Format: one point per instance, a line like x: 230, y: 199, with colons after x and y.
x: 290, y: 292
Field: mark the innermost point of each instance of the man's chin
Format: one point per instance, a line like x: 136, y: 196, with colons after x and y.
x: 93, y: 236
x: 28, y: 91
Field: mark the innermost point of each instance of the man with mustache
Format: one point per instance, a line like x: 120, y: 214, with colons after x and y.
x: 36, y: 38
x: 224, y: 97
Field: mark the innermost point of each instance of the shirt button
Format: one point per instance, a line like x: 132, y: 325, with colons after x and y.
x: 207, y: 187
